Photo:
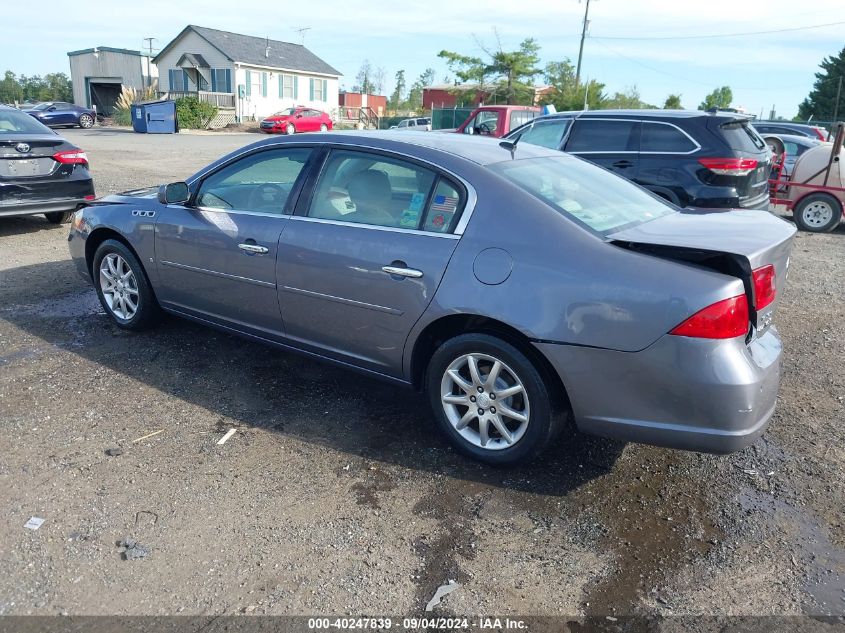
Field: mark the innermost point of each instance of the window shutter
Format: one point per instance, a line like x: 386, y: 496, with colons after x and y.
x: 281, y: 86
x: 263, y: 84
x: 170, y: 79
x: 311, y: 89
x: 248, y: 83
x: 295, y: 87
x: 213, y: 80
x: 325, y: 90
x: 228, y: 80
x: 185, y: 80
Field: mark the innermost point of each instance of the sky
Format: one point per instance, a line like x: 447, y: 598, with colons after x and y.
x: 764, y: 71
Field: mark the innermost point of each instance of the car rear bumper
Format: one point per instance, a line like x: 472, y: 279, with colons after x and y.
x: 31, y: 208
x: 692, y: 394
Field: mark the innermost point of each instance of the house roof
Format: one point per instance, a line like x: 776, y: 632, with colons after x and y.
x: 107, y: 49
x: 247, y: 49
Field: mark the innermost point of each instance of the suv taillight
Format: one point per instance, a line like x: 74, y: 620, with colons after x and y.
x: 71, y: 157
x: 724, y: 319
x: 764, y: 286
x: 730, y: 166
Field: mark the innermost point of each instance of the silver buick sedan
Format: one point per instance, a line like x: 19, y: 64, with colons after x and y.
x: 519, y: 287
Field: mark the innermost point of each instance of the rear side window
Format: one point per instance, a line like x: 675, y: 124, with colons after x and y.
x: 659, y: 137
x: 604, y: 136
x: 521, y: 117
x: 740, y: 136
x: 545, y: 133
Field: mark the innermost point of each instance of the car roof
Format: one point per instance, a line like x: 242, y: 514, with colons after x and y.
x: 641, y: 114
x: 797, y: 138
x: 482, y: 150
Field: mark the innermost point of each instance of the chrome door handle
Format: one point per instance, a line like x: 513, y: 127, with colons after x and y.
x: 402, y: 272
x: 254, y: 248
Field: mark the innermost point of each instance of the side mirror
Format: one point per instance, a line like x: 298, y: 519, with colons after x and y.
x: 51, y: 109
x: 299, y: 116
x: 173, y: 193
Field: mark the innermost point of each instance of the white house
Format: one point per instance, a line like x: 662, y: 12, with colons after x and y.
x: 255, y: 76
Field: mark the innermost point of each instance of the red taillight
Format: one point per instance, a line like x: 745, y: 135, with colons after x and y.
x: 764, y: 286
x: 724, y: 319
x: 71, y: 157
x: 91, y: 197
x: 730, y: 166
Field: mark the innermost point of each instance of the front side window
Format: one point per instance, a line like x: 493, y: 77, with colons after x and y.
x: 597, y: 135
x: 545, y: 133
x: 260, y: 182
x: 658, y: 137
x: 598, y: 200
x: 485, y: 122
x: 363, y: 188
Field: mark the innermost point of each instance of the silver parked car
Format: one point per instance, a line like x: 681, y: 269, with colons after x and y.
x: 512, y: 283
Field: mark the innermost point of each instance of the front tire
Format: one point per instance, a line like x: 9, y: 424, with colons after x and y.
x: 817, y: 213
x: 324, y: 127
x: 290, y: 129
x: 86, y: 121
x: 490, y: 400
x: 58, y: 217
x: 123, y: 287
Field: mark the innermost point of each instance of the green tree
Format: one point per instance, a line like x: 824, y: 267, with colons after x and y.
x: 10, y: 88
x: 719, y: 98
x: 397, y: 97
x: 415, y: 93
x: 566, y: 95
x: 509, y: 73
x: 821, y: 102
x: 364, y: 79
x: 673, y: 102
x: 629, y: 100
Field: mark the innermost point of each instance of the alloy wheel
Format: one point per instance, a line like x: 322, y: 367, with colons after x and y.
x: 86, y: 121
x: 485, y: 401
x: 119, y: 286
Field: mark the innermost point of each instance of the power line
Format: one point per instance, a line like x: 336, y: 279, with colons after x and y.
x: 718, y: 35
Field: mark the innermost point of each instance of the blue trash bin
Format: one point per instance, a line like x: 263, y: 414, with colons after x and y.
x: 155, y: 117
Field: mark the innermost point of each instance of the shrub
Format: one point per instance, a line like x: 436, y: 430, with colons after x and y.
x: 122, y: 114
x: 191, y: 113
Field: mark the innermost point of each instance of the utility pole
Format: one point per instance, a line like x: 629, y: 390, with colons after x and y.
x: 836, y: 105
x: 583, y: 35
x: 149, y: 41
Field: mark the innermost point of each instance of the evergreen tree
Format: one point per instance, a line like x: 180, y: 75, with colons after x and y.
x: 821, y: 102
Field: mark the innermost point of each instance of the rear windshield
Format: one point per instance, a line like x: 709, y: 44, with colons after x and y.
x: 740, y: 136
x: 16, y: 122
x: 597, y: 199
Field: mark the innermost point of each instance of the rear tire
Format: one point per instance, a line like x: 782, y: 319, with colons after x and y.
x: 123, y: 287
x: 86, y: 121
x: 58, y: 217
x: 456, y: 397
x: 817, y: 213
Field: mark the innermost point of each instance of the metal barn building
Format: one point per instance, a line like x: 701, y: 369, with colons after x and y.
x: 98, y: 75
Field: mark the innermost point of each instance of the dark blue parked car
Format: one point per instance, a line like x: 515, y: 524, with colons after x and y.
x: 60, y: 113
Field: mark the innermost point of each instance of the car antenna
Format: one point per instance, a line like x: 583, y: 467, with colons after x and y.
x: 511, y: 145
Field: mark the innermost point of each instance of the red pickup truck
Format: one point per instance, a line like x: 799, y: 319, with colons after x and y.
x: 497, y: 120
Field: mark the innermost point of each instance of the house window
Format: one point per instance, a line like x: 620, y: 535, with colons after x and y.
x: 255, y: 83
x: 178, y: 80
x: 318, y: 90
x: 221, y: 80
x: 287, y: 86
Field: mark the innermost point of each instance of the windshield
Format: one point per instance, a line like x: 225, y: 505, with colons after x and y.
x: 42, y: 106
x: 595, y: 198
x: 287, y: 112
x: 15, y: 122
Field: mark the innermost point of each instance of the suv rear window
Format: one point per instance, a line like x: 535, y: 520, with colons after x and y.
x: 597, y: 199
x: 739, y: 135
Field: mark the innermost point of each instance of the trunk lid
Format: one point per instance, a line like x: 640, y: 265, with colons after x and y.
x: 37, y: 161
x: 731, y: 242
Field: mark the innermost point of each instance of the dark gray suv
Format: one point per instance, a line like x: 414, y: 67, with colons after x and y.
x: 692, y: 159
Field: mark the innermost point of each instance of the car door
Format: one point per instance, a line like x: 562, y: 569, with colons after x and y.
x: 361, y: 260
x: 217, y: 254
x: 662, y: 167
x: 52, y: 115
x: 611, y: 143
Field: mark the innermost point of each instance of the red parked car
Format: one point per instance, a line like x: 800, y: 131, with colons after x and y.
x: 299, y: 119
x: 497, y: 120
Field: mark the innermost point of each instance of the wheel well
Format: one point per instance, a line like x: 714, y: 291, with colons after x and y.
x: 97, y: 237
x: 445, y: 328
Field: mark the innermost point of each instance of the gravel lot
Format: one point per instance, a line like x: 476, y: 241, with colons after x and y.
x: 334, y: 496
